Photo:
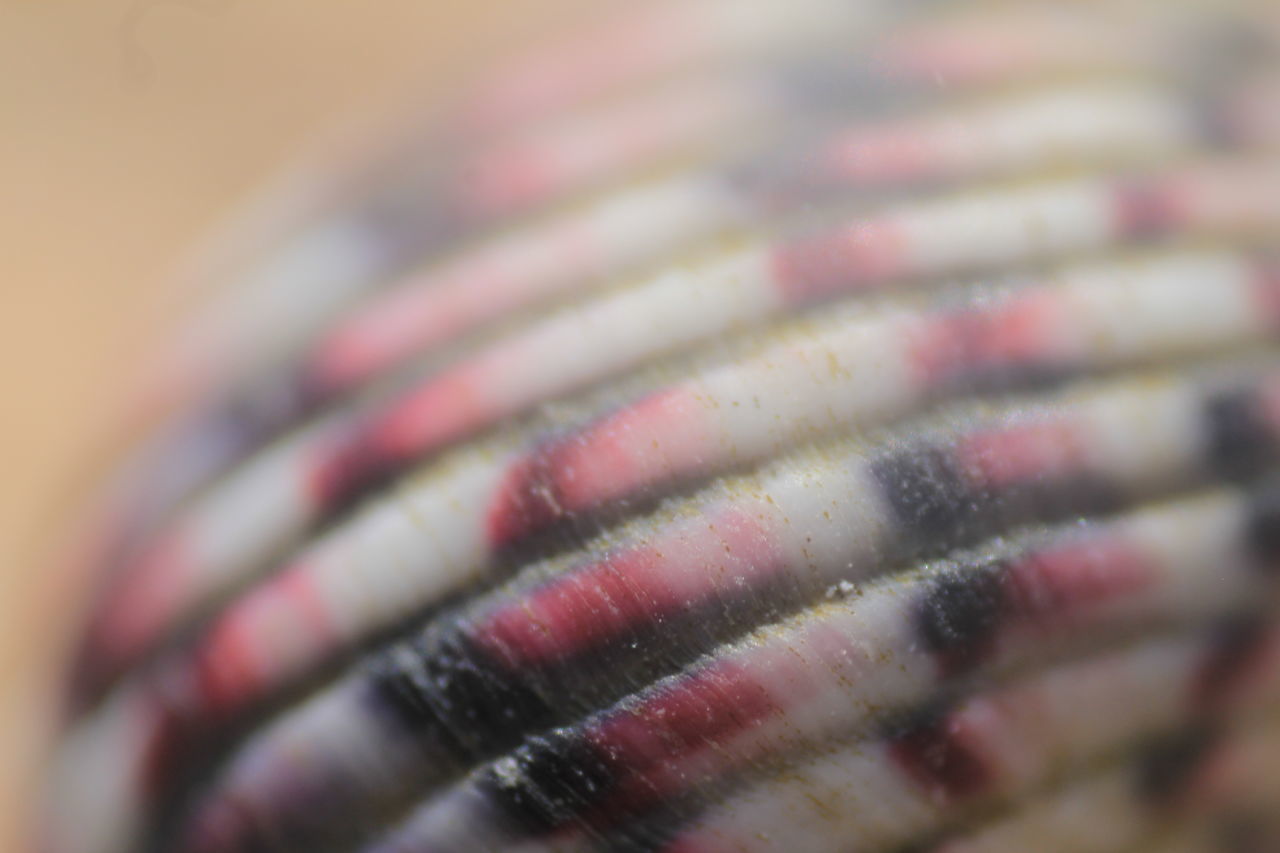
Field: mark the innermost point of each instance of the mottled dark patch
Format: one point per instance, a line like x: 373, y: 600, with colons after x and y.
x: 958, y: 616
x: 930, y: 499
x: 1262, y: 530
x: 1232, y: 652
x: 1237, y: 435
x: 164, y: 750
x: 1247, y: 833
x: 229, y: 828
x: 991, y: 376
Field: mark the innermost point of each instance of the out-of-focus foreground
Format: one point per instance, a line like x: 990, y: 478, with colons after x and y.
x: 128, y: 128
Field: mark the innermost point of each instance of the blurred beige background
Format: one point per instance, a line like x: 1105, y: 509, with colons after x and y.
x: 127, y: 129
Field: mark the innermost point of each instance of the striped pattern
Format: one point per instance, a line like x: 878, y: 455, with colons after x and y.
x: 822, y: 426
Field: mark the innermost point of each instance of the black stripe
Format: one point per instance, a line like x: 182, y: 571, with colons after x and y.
x: 447, y: 689
x: 548, y: 783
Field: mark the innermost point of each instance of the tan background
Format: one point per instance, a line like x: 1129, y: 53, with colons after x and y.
x: 126, y: 130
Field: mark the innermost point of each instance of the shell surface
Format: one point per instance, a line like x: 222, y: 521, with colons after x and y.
x: 806, y: 425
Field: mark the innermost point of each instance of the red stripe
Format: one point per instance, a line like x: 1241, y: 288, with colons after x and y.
x: 143, y: 600
x: 442, y: 410
x: 699, y: 712
x: 288, y: 604
x: 846, y: 259
x: 945, y: 758
x: 881, y: 155
x: 628, y: 590
x: 638, y: 445
x: 345, y: 468
x: 1144, y: 209
x: 527, y: 499
x: 1266, y: 292
x: 1051, y: 588
x: 1015, y: 333
x: 507, y: 178
x: 573, y: 613
x: 1000, y: 458
x: 425, y: 420
x: 615, y: 456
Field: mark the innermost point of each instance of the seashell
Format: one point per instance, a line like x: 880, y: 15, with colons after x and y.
x: 813, y: 426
